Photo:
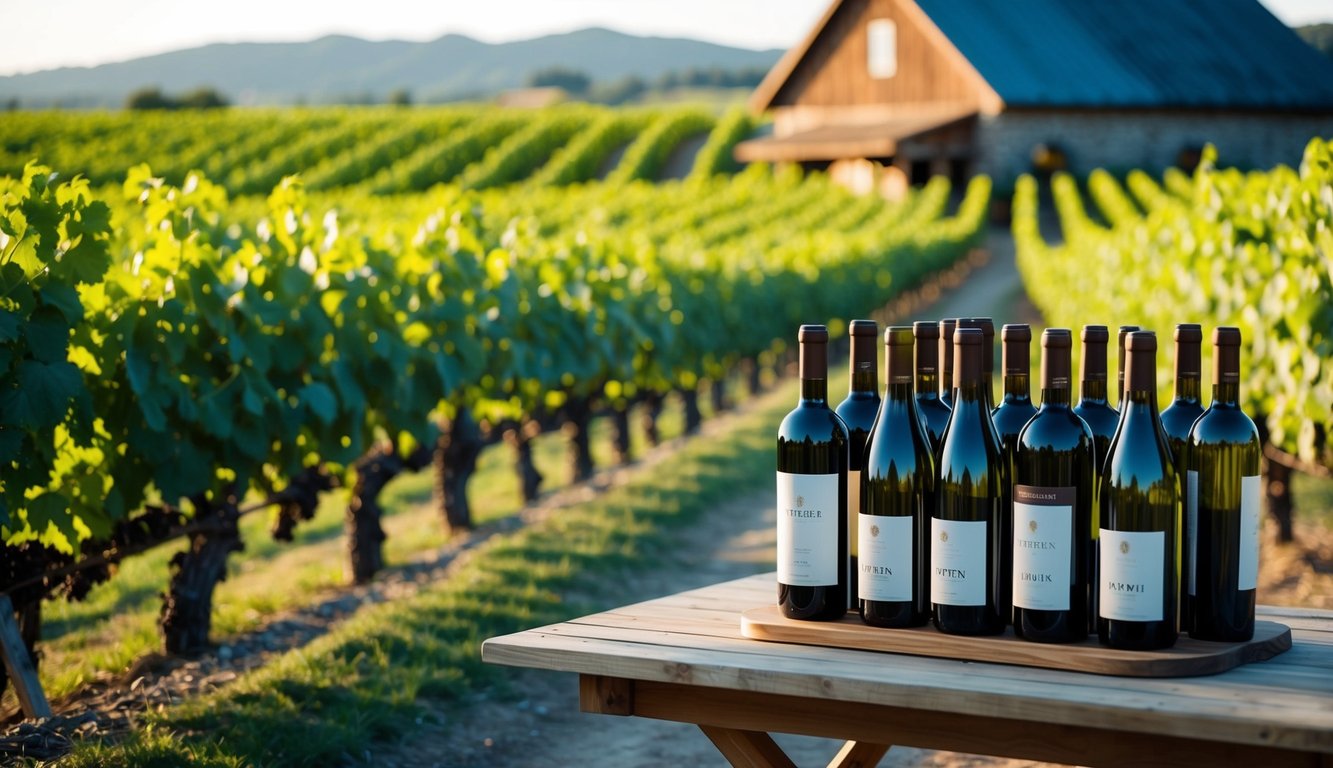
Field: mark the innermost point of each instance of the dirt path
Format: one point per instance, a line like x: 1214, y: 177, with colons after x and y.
x: 545, y: 728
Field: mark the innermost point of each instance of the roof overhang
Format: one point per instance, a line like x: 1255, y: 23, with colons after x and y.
x: 847, y: 140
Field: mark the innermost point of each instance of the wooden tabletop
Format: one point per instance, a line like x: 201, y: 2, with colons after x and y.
x: 683, y: 658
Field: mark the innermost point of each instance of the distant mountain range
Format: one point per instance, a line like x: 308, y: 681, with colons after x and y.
x: 340, y: 68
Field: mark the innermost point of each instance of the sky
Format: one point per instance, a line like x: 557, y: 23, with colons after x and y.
x: 42, y: 34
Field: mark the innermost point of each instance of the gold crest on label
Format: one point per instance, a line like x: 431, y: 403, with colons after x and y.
x: 800, y: 501
x: 1124, y: 547
x: 874, y: 530
x: 1032, y: 526
x: 944, y: 535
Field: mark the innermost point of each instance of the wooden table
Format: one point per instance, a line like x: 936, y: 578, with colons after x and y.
x: 683, y: 658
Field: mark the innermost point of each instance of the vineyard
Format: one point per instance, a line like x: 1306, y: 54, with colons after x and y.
x: 178, y: 350
x: 1254, y: 250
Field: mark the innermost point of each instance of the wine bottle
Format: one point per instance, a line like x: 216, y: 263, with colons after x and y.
x: 934, y: 413
x: 1053, y: 481
x: 857, y: 412
x: 899, y: 482
x: 1102, y: 419
x: 1125, y: 330
x: 1223, y: 520
x: 1010, y: 416
x: 947, y: 327
x: 987, y: 327
x: 1177, y: 420
x: 1093, y: 406
x: 812, y: 494
x: 1138, y: 545
x: 964, y: 542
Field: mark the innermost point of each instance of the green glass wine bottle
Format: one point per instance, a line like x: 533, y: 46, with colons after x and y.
x: 812, y: 494
x: 1223, y: 520
x: 899, y: 483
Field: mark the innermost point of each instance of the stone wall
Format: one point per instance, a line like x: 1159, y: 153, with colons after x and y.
x: 1123, y: 140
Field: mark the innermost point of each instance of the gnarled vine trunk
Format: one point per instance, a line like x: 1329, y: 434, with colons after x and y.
x: 455, y: 460
x: 693, y: 418
x: 652, y: 409
x: 578, y: 420
x: 753, y: 382
x: 519, y: 437
x: 620, y: 437
x: 717, y: 390
x: 365, y: 535
x: 187, y: 606
x: 1281, y: 505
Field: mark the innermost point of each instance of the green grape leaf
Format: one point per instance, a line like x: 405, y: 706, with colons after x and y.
x: 47, y: 333
x: 9, y: 325
x: 43, y: 395
x: 321, y: 401
x: 11, y: 443
x: 64, y: 298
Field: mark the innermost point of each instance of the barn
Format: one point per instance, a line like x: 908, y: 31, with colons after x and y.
x: 889, y: 92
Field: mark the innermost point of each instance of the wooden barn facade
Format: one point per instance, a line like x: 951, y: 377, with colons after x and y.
x: 890, y: 92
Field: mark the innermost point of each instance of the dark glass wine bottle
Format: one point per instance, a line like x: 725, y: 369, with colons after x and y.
x: 1010, y: 416
x: 812, y: 494
x: 1125, y: 330
x: 1093, y: 406
x: 947, y: 327
x: 1102, y: 419
x: 1138, y: 545
x: 964, y: 540
x: 1223, y: 520
x: 934, y: 413
x: 899, y: 482
x: 987, y: 327
x: 1177, y: 420
x: 1053, y: 499
x: 858, y: 413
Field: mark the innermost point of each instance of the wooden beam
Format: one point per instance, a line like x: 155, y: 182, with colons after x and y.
x: 18, y: 664
x: 606, y: 695
x: 1004, y: 737
x: 859, y: 754
x: 747, y: 749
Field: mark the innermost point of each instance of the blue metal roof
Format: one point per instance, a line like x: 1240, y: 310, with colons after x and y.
x: 1136, y: 53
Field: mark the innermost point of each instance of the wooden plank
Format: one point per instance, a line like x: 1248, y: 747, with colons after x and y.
x: 1296, y: 720
x: 1187, y: 658
x: 859, y: 754
x: 1272, y: 686
x: 747, y: 749
x: 18, y: 664
x: 606, y: 695
x: 1005, y: 737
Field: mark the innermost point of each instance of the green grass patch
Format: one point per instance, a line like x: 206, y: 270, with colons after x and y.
x: 362, y: 682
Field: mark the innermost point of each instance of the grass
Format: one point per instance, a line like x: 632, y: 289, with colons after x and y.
x: 117, y: 623
x: 365, y: 681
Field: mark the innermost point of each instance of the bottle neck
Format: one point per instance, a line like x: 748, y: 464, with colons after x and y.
x: 1055, y: 397
x: 1226, y: 394
x: 815, y: 390
x: 1136, y: 399
x: 927, y: 385
x: 1093, y: 390
x: 865, y: 382
x: 1188, y: 388
x: 1016, y: 388
x: 898, y: 391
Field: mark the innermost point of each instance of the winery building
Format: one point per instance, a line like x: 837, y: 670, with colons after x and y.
x: 889, y: 92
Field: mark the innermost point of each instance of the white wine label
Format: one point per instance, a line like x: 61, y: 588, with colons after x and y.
x: 853, y: 509
x: 958, y: 562
x: 884, y: 568
x: 1043, y: 547
x: 1191, y: 527
x: 1132, y: 567
x: 1251, y: 524
x: 808, y: 517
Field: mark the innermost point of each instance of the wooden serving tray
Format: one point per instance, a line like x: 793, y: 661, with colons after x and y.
x: 1188, y: 658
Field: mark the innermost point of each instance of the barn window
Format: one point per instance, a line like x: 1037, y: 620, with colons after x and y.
x: 882, y: 48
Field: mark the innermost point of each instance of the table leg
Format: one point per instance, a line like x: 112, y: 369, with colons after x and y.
x: 859, y: 754
x: 747, y: 749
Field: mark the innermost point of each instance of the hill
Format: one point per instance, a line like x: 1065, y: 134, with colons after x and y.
x: 340, y: 68
x: 1318, y: 35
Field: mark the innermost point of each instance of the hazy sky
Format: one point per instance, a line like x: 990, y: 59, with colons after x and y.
x: 41, y: 34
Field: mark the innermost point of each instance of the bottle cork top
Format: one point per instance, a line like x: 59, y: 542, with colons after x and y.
x: 812, y: 334
x: 1095, y: 334
x: 863, y: 328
